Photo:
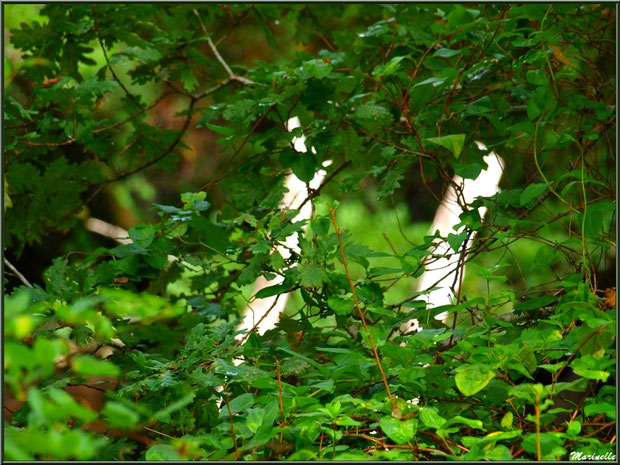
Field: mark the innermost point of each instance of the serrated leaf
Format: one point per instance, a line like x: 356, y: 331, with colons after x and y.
x: 82, y: 335
x: 310, y: 275
x: 118, y: 415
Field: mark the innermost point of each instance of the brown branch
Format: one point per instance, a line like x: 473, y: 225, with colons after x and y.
x: 232, y: 424
x: 314, y: 193
x: 574, y: 354
x: 48, y: 144
x: 282, y: 421
x: 361, y: 313
x: 213, y: 89
x: 246, y: 335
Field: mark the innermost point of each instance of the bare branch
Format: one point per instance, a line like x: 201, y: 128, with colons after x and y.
x: 212, y: 89
x: 231, y: 76
x: 108, y: 230
x: 21, y: 277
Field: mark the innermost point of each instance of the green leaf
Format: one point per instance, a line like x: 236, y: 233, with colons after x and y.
x: 195, y: 201
x: 142, y: 234
x: 529, y: 392
x: 471, y: 379
x: 210, y: 234
x: 590, y: 368
x: 304, y: 166
x: 531, y: 192
x: 507, y: 420
x: 351, y: 145
x: 482, y: 106
x: 544, y: 257
x: 446, y: 53
x: 538, y: 77
x: 601, y: 407
x: 389, y: 68
x: 471, y: 423
x: 499, y: 453
x: 456, y: 240
x: 535, y: 303
x: 272, y: 290
x: 320, y: 226
x: 254, y: 419
x: 318, y: 366
x: 162, y: 452
x: 82, y: 335
x: 91, y: 366
x: 574, y: 428
x: 550, y: 445
x: 311, y: 275
x: 371, y: 113
x: 399, y: 431
x: 241, y: 403
x: 435, y: 81
x: 314, y: 68
x: 223, y: 130
x: 469, y: 171
x: 454, y: 143
x: 118, y: 415
x: 340, y: 306
x: 431, y: 418
x: 189, y: 80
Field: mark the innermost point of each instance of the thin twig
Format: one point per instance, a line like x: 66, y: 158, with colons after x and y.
x: 133, y: 116
x: 246, y: 335
x: 213, y: 89
x: 159, y: 432
x: 282, y: 421
x: 314, y: 193
x: 232, y: 424
x: 390, y: 244
x: 232, y: 76
x: 165, y: 152
x: 107, y: 60
x: 21, y: 277
x: 361, y: 313
x: 219, y: 176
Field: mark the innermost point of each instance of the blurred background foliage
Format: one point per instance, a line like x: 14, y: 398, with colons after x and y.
x: 95, y: 93
x: 264, y: 33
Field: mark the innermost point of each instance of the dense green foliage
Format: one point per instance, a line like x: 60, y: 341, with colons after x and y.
x: 394, y: 95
